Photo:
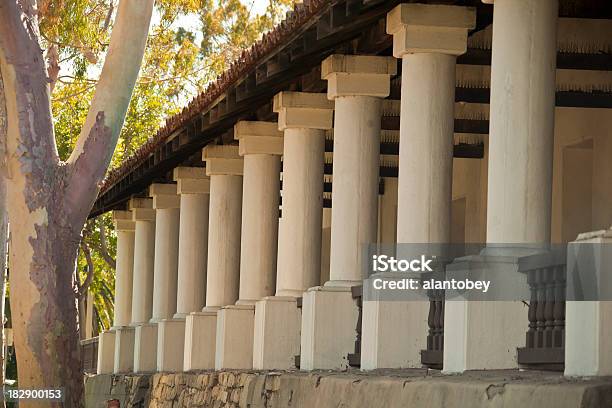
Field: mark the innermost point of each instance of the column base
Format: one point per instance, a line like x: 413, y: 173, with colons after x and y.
x: 235, y: 337
x: 145, y: 348
x: 106, y: 352
x: 170, y: 345
x: 277, y: 333
x: 588, y: 323
x: 329, y: 319
x: 485, y: 334
x: 588, y: 344
x: 124, y: 350
x: 200, y: 341
x: 388, y: 344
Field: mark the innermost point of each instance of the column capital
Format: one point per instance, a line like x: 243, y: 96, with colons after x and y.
x: 191, y: 180
x: 164, y: 196
x: 257, y: 137
x: 142, y: 209
x: 304, y: 110
x: 358, y: 75
x: 123, y: 221
x: 140, y: 202
x: 430, y: 28
x: 222, y: 160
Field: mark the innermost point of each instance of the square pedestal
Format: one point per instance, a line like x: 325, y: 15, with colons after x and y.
x: 200, y: 341
x: 145, y: 348
x: 235, y: 337
x: 387, y: 344
x: 106, y: 352
x: 170, y: 344
x: 329, y: 318
x: 588, y: 310
x: 277, y: 333
x: 485, y: 334
x: 124, y: 350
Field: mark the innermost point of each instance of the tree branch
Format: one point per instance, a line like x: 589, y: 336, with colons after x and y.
x: 104, y: 247
x: 3, y: 130
x: 26, y: 86
x: 117, y: 80
x: 53, y: 67
x: 90, y: 270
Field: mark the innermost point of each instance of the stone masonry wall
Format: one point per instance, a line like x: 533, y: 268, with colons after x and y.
x: 417, y: 388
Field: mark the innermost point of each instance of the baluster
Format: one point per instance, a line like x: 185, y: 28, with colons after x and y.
x: 549, y: 319
x: 541, y: 304
x: 431, y: 332
x: 441, y: 332
x: 559, y: 310
x: 531, y: 313
x: 437, y: 313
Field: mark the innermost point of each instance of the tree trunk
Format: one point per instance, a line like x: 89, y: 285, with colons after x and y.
x: 50, y: 200
x: 3, y: 235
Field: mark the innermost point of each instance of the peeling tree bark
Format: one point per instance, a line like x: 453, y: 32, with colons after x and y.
x: 3, y: 234
x: 50, y: 200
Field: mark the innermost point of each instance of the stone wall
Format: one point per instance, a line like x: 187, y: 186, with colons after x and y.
x: 212, y: 389
x: 398, y: 388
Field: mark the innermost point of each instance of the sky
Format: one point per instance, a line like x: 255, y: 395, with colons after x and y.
x: 256, y: 6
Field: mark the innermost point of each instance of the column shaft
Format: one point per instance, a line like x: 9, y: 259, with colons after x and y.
x: 355, y: 174
x: 259, y: 226
x: 224, y: 240
x: 426, y: 148
x: 299, y: 259
x: 123, y: 279
x: 166, y: 263
x: 521, y: 121
x: 193, y: 237
x: 144, y: 256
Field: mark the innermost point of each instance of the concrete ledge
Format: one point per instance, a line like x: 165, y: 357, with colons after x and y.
x: 386, y: 388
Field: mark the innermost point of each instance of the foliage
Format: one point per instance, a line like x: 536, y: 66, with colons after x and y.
x: 191, y: 42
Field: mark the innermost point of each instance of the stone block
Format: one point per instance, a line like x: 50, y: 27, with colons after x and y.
x: 329, y: 318
x: 234, y: 341
x: 124, y: 350
x: 106, y: 352
x: 200, y: 341
x: 145, y: 349
x: 387, y: 344
x: 277, y: 333
x: 170, y: 344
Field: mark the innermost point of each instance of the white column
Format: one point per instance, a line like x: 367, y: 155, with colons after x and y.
x: 303, y: 117
x: 325, y: 245
x: 143, y: 215
x: 165, y: 270
x: 107, y: 350
x: 124, y: 227
x: 224, y: 167
x: 521, y: 121
x: 89, y: 315
x: 145, y: 333
x: 167, y: 212
x: 261, y: 145
x: 428, y: 39
x: 357, y: 84
x: 193, y: 185
x: 519, y: 182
